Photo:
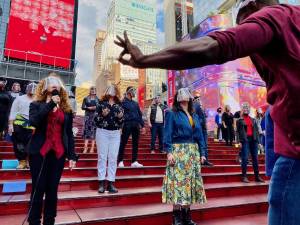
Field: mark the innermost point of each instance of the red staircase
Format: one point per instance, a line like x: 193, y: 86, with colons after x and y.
x: 139, y: 199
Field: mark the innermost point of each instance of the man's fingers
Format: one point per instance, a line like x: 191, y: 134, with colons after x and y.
x: 121, y: 40
x: 120, y: 44
x: 124, y: 61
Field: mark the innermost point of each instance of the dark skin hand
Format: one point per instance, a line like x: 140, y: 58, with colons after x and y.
x: 184, y: 55
x: 188, y: 54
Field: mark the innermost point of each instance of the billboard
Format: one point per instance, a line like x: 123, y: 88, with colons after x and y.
x: 218, y: 85
x: 41, y: 31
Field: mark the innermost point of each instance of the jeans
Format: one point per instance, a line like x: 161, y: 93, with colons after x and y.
x: 219, y: 132
x: 205, y: 137
x: 249, y: 146
x: 157, y: 129
x: 284, y: 192
x: 108, y: 143
x: 48, y: 185
x: 130, y: 128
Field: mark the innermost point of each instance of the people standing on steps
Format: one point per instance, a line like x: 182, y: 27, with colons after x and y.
x: 259, y: 117
x: 133, y: 123
x: 218, y: 122
x: 184, y: 143
x: 89, y: 105
x: 268, y: 32
x: 15, y: 91
x: 109, y: 121
x: 156, y: 119
x: 51, y: 144
x: 200, y: 111
x: 227, y: 121
x: 5, y: 103
x: 248, y: 133
x: 19, y: 127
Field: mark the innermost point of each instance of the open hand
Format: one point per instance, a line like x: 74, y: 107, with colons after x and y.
x: 136, y: 55
x: 203, y: 159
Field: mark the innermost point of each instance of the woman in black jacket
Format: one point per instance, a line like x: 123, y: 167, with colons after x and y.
x: 51, y: 143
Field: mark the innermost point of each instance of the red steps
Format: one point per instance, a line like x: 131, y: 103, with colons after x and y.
x: 139, y: 199
x: 18, y: 204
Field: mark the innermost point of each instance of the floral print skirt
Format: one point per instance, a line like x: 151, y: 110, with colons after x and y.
x: 183, y: 184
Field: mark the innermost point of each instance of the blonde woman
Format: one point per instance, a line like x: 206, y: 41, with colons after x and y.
x: 52, y: 142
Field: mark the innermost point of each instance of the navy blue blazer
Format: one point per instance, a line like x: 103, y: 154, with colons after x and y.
x: 178, y: 130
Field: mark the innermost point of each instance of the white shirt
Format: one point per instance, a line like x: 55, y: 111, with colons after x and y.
x: 159, y: 118
x: 20, y: 107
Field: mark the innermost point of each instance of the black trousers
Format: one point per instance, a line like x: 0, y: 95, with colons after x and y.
x: 157, y: 129
x: 132, y: 129
x: 229, y: 135
x: 20, y: 139
x: 47, y: 185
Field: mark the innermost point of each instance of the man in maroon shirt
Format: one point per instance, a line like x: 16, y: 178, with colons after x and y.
x: 270, y: 34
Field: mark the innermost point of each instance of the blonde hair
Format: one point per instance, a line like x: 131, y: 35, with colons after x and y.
x: 41, y: 96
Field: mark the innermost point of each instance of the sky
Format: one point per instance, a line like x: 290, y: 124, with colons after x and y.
x: 92, y: 16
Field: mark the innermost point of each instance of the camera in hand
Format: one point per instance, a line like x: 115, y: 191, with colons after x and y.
x: 55, y: 92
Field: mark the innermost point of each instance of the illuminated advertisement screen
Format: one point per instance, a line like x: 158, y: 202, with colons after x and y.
x: 41, y: 31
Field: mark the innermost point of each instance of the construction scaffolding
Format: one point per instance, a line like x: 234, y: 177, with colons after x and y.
x: 35, y: 71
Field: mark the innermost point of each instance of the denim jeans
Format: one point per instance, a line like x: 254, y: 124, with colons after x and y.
x: 157, y: 129
x: 284, y: 193
x: 249, y: 146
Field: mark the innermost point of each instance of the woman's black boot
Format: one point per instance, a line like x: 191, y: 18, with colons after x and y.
x: 186, y: 217
x: 101, y: 189
x: 111, y: 188
x: 177, y: 217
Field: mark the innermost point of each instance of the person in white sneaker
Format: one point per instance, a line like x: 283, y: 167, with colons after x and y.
x: 133, y: 123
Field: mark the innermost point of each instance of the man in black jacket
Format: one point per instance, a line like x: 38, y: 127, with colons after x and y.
x: 156, y: 119
x: 247, y: 130
x: 133, y: 122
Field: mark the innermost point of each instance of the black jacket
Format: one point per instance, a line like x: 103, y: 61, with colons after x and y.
x: 242, y: 130
x: 38, y: 115
x: 132, y: 112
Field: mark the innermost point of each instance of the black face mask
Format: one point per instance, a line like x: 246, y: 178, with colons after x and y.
x: 55, y: 92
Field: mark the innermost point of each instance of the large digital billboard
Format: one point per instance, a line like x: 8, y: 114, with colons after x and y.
x: 41, y: 31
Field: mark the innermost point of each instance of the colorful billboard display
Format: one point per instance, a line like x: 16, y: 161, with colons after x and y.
x: 228, y: 84
x: 41, y: 31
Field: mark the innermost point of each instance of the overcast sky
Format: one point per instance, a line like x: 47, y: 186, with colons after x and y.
x: 92, y: 16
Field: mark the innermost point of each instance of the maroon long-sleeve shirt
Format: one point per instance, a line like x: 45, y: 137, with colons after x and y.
x: 272, y: 38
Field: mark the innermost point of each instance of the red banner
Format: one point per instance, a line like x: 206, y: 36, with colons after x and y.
x: 171, y: 87
x: 41, y: 31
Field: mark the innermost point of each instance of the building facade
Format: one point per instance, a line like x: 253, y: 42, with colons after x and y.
x: 100, y: 37
x: 138, y: 18
x: 178, y: 20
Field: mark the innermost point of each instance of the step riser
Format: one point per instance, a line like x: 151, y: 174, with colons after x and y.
x: 12, y: 175
x: 134, y: 183
x: 102, y: 201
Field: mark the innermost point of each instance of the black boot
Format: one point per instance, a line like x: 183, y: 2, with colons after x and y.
x: 101, y: 189
x: 111, y: 188
x: 177, y: 217
x: 259, y: 179
x: 186, y: 217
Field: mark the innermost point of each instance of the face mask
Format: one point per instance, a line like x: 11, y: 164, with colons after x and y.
x: 111, y: 91
x: 30, y: 89
x: 53, y: 82
x: 184, y: 95
x: 132, y: 92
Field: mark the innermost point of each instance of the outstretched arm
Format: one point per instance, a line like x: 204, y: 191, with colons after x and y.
x: 188, y: 54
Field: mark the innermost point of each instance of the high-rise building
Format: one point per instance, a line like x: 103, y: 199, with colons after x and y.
x: 178, y: 19
x: 38, y: 37
x: 100, y: 36
x: 138, y: 18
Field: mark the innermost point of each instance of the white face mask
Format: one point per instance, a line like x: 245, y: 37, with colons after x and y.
x: 184, y: 95
x: 53, y: 81
x: 30, y: 89
x: 111, y: 91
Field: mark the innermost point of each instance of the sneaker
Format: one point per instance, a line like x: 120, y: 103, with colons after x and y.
x: 245, y: 180
x: 22, y: 165
x: 152, y: 152
x: 259, y: 179
x: 121, y: 164
x: 136, y: 164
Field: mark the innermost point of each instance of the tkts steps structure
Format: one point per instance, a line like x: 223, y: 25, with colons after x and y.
x: 139, y: 199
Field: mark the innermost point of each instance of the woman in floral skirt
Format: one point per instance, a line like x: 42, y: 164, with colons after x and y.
x: 184, y: 143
